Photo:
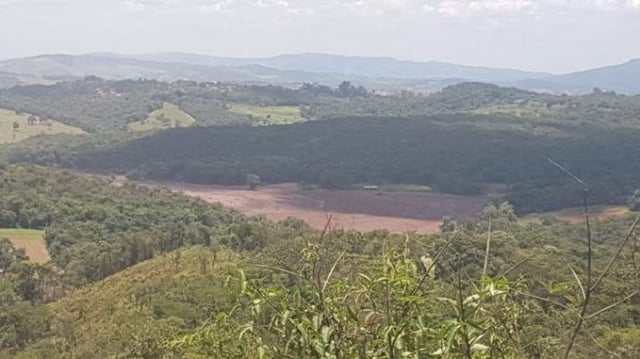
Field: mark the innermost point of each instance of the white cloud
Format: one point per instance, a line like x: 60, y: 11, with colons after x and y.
x: 466, y: 9
x: 549, y: 35
x: 272, y: 3
x: 503, y: 6
x: 488, y: 9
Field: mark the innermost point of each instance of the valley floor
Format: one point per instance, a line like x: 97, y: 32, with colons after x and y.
x: 357, y: 210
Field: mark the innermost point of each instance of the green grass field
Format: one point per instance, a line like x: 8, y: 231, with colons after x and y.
x: 270, y: 115
x: 518, y: 110
x: 31, y: 240
x: 20, y: 233
x: 25, y: 130
x: 169, y: 116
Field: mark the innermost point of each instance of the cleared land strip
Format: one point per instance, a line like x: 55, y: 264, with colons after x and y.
x: 31, y: 240
x: 358, y: 210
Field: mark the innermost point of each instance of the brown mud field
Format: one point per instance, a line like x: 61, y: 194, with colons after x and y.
x: 35, y: 248
x: 353, y: 209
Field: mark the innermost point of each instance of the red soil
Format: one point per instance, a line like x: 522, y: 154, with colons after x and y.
x: 358, y: 210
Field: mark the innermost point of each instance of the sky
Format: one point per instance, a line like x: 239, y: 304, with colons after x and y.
x: 548, y: 35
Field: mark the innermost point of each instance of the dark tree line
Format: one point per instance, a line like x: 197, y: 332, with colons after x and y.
x: 447, y: 152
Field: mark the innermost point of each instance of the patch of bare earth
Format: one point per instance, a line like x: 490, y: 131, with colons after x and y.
x: 35, y: 248
x: 601, y: 214
x: 357, y: 210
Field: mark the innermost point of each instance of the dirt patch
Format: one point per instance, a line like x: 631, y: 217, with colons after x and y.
x: 358, y: 210
x: 602, y: 213
x: 576, y: 215
x: 35, y: 248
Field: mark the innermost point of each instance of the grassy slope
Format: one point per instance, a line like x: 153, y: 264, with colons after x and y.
x: 173, y: 117
x: 269, y: 115
x: 158, y: 299
x: 576, y: 215
x: 534, y: 110
x: 8, y: 135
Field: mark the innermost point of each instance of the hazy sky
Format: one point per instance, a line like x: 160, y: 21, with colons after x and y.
x: 546, y: 35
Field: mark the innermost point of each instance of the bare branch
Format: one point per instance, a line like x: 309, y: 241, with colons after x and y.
x: 333, y: 268
x: 563, y: 169
x: 488, y: 250
x: 584, y: 293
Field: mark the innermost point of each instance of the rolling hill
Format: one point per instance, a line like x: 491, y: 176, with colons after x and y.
x: 61, y: 67
x: 382, y: 73
x: 622, y: 78
x: 168, y: 116
x: 157, y: 300
x: 354, y: 66
x: 29, y: 126
x: 8, y: 79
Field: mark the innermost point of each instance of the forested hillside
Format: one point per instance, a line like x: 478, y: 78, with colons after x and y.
x: 94, y: 228
x: 461, y: 140
x: 218, y: 285
x: 97, y: 105
x: 459, y: 180
x: 451, y: 153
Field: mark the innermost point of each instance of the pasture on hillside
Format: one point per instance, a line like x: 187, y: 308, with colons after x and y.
x: 168, y: 116
x: 269, y: 115
x: 31, y: 240
x: 16, y: 127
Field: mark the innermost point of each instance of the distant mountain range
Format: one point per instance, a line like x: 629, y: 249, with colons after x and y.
x: 381, y: 73
x: 623, y: 78
x: 356, y: 66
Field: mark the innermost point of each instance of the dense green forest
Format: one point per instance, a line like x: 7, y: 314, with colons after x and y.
x: 215, y: 284
x: 94, y: 229
x: 451, y: 153
x: 98, y: 105
x: 459, y: 140
x: 605, y: 109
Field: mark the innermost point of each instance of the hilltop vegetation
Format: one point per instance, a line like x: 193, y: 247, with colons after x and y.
x: 285, y: 290
x: 461, y: 140
x: 97, y: 105
x: 267, y: 115
x: 450, y: 153
x: 92, y: 105
x: 602, y: 109
x: 94, y: 229
x: 133, y: 312
x: 168, y: 116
